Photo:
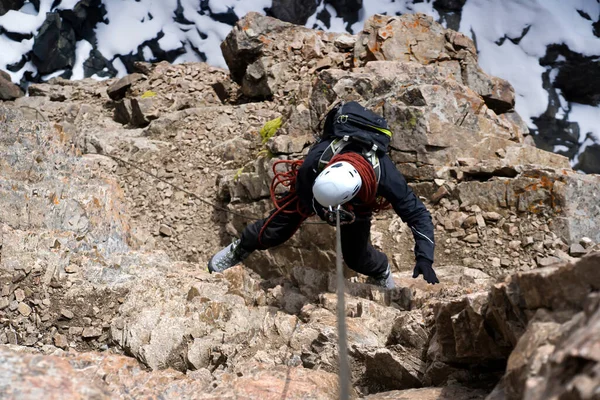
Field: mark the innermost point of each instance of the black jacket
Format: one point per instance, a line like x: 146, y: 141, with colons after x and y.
x: 392, y: 187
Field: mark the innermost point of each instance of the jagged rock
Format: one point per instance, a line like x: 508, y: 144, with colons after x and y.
x: 394, y: 38
x: 391, y: 38
x: 54, y: 45
x: 8, y: 90
x: 142, y: 112
x: 24, y: 309
x: 393, y: 370
x: 412, y: 93
x: 288, y: 145
x: 260, y: 382
x: 117, y: 90
x: 61, y: 341
x: 586, y: 242
x: 589, y: 159
x: 83, y: 17
x: 91, y: 332
x: 252, y: 53
x: 499, y: 95
x: 461, y: 334
x: 558, y: 191
x: 568, y: 365
x: 123, y: 111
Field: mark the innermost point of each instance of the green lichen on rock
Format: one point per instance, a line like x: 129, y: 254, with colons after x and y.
x: 269, y: 129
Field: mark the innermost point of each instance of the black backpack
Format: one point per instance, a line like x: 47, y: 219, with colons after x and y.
x: 351, y: 123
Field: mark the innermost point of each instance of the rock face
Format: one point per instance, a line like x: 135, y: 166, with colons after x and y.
x: 569, y: 77
x: 68, y: 376
x: 54, y: 46
x: 545, y: 319
x: 258, y: 62
x: 115, y: 194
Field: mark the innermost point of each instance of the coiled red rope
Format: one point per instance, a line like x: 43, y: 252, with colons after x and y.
x: 289, y: 203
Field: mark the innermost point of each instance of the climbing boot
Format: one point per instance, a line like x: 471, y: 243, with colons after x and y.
x: 384, y: 280
x: 227, y: 257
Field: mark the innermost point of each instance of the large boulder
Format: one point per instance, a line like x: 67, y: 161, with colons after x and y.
x: 267, y: 56
x: 435, y: 118
x: 54, y: 45
x: 546, y: 313
x: 418, y: 38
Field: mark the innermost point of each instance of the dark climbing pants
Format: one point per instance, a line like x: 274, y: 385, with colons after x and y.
x: 358, y: 252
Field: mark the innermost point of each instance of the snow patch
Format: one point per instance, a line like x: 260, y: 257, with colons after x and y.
x: 587, y: 117
x: 82, y: 53
x: 120, y: 67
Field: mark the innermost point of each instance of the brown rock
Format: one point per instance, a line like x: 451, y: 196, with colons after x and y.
x: 91, y: 332
x: 498, y: 94
x: 4, y: 303
x: 452, y: 392
x: 471, y: 238
x: 117, y: 90
x: 122, y: 113
x: 165, y: 230
x: 492, y: 216
x: 547, y: 261
x: 75, y: 330
x: 392, y: 370
x: 461, y: 332
x: 470, y: 221
x: 72, y: 269
x: 19, y: 295
x: 66, y: 313
x: 142, y: 112
x: 577, y: 250
x: 24, y: 309
x: 394, y: 38
x: 61, y: 341
x: 440, y: 193
x: 8, y: 90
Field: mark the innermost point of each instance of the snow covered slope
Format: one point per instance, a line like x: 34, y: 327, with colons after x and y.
x: 549, y: 50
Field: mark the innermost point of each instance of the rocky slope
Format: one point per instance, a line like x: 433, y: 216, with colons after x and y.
x: 97, y: 255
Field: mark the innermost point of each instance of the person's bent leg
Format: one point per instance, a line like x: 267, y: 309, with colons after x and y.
x: 260, y: 235
x: 271, y: 231
x: 361, y: 256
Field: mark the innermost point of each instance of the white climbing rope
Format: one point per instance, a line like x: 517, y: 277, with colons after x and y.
x: 344, y: 377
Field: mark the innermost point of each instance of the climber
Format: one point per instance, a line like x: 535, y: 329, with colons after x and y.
x: 354, y: 176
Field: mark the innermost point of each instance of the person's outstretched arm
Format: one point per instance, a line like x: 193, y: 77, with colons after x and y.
x: 412, y: 211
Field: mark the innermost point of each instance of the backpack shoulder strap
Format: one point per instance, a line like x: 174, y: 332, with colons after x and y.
x: 373, y: 159
x: 337, y: 145
x: 334, y: 148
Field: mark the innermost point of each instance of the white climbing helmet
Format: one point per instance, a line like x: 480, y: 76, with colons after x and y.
x: 337, y: 184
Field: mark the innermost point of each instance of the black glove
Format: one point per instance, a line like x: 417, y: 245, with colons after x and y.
x: 425, y: 268
x: 346, y: 217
